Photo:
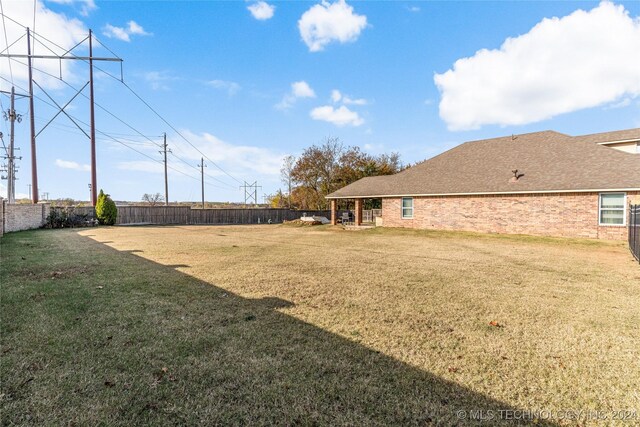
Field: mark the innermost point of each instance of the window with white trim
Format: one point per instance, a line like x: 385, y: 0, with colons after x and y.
x: 407, y: 207
x: 612, y: 208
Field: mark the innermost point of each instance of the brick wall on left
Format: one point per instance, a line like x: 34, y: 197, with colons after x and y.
x: 22, y: 217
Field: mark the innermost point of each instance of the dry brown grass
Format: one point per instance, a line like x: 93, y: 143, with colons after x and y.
x: 567, y: 315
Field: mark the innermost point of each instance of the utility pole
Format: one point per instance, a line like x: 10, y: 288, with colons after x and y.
x: 202, y: 166
x: 94, y: 184
x: 11, y: 172
x: 92, y: 137
x: 12, y: 117
x: 32, y: 120
x: 166, y: 179
x: 29, y: 188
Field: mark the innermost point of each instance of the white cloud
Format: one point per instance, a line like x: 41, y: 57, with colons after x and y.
x: 240, y: 160
x: 262, y: 10
x: 414, y: 9
x: 49, y: 25
x: 302, y: 90
x: 328, y: 22
x: 159, y: 79
x: 86, y: 6
x: 116, y: 32
x: 124, y: 33
x: 4, y: 194
x: 350, y: 101
x: 230, y: 87
x: 337, y: 96
x: 341, y: 116
x: 625, y: 102
x: 299, y: 90
x: 135, y: 28
x: 68, y: 164
x: 583, y: 60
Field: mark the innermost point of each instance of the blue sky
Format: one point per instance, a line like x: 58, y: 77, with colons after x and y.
x: 250, y: 82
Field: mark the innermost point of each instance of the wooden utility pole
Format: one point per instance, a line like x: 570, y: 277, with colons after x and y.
x: 10, y: 166
x: 32, y: 120
x: 12, y: 116
x: 202, y: 166
x: 92, y: 137
x: 166, y: 178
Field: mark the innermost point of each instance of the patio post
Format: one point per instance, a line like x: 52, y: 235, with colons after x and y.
x: 334, y: 212
x: 358, y: 214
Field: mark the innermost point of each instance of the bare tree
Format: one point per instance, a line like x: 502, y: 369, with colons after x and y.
x: 152, y: 199
x: 288, y: 164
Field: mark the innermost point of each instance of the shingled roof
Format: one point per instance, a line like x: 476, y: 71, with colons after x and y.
x: 615, y: 136
x: 546, y: 161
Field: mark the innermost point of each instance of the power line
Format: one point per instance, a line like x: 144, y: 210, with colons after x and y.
x: 179, y: 133
x: 130, y: 126
x: 72, y: 56
x: 6, y: 38
x: 141, y: 100
x: 144, y: 136
x: 112, y: 138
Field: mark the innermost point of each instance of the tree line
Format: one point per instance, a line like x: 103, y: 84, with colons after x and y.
x: 324, y: 168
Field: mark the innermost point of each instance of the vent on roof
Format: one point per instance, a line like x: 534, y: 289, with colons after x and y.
x: 516, y: 175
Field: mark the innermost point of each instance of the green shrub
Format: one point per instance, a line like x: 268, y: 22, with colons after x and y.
x: 67, y: 218
x: 106, y: 211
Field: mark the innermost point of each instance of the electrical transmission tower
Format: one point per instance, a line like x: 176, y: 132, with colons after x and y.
x: 250, y: 192
x: 92, y: 137
x: 10, y: 156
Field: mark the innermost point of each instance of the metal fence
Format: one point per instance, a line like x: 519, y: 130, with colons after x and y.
x: 634, y: 230
x: 371, y: 214
x: 185, y: 215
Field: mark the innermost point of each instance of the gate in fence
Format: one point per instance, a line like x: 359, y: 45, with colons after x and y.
x: 634, y: 230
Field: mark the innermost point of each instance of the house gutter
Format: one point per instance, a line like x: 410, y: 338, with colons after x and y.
x: 502, y: 193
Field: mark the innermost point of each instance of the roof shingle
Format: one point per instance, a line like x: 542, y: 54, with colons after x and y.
x: 548, y: 161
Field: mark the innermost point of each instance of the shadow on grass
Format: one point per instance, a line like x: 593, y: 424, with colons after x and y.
x: 152, y: 345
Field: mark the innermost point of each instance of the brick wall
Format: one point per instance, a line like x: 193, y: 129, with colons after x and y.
x: 24, y: 217
x: 564, y: 215
x: 1, y: 216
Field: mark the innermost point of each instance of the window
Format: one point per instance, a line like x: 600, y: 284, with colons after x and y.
x: 407, y: 207
x: 612, y: 208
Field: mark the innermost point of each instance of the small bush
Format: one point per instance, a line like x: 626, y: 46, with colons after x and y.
x: 106, y: 211
x: 67, y: 218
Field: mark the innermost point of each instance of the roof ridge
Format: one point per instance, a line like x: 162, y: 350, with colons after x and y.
x: 606, y: 132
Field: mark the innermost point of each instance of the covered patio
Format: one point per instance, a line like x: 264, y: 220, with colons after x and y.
x: 361, y: 217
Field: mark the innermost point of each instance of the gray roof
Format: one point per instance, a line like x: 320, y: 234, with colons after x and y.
x: 618, y: 135
x: 548, y: 161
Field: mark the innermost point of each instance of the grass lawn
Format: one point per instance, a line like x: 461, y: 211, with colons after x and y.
x: 259, y: 325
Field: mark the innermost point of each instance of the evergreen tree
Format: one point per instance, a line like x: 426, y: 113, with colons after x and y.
x: 106, y: 211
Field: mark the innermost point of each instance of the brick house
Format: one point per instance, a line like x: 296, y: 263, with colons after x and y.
x: 542, y: 183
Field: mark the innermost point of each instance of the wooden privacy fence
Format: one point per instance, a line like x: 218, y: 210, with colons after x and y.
x: 185, y: 215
